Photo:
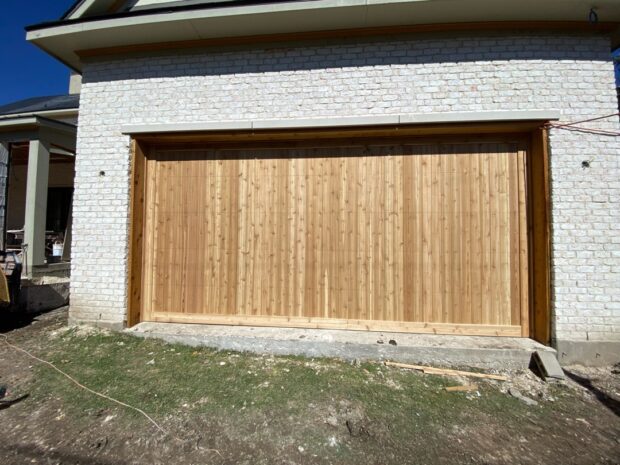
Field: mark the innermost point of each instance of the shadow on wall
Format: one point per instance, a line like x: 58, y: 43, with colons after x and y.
x: 38, y: 298
x: 284, y: 153
x: 351, y: 53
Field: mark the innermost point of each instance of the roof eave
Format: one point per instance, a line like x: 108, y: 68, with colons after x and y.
x: 22, y: 122
x: 65, y: 39
x: 64, y: 112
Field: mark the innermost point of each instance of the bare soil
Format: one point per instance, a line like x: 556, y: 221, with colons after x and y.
x: 230, y: 408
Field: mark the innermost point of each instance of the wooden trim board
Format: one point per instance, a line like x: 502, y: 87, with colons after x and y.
x: 136, y: 232
x: 329, y: 323
x: 429, y: 131
x: 540, y: 237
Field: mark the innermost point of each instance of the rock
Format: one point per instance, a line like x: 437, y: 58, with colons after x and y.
x: 100, y: 443
x: 332, y: 420
x: 517, y: 395
x: 393, y: 342
x: 355, y: 427
x: 356, y: 423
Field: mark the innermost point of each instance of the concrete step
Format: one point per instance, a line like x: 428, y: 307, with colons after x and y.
x: 437, y: 350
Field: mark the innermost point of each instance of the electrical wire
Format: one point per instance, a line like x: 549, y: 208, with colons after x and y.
x: 77, y: 383
x: 601, y: 132
x: 588, y: 120
x: 99, y: 394
x: 573, y: 126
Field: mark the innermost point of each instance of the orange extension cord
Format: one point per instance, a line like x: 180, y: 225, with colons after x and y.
x: 77, y: 383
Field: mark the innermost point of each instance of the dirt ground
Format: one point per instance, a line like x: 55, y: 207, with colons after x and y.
x: 229, y: 408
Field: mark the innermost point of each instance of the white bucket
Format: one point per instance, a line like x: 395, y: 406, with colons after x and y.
x: 57, y: 250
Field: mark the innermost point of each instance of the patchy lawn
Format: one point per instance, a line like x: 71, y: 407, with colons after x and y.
x: 231, y: 408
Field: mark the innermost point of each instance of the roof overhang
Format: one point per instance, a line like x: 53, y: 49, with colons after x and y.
x: 23, y: 129
x: 64, y: 113
x: 70, y: 39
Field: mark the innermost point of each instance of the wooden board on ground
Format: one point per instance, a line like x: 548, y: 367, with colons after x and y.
x: 464, y: 388
x: 445, y: 371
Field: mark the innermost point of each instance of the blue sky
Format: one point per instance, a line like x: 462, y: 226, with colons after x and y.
x: 26, y: 70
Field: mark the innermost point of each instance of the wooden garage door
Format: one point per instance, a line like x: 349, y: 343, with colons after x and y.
x: 410, y: 237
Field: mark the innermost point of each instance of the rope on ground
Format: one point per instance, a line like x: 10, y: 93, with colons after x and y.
x: 77, y: 383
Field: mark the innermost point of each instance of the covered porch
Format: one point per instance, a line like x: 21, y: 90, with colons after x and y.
x: 37, y: 161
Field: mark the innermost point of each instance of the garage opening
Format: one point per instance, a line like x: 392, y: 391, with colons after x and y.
x: 399, y: 234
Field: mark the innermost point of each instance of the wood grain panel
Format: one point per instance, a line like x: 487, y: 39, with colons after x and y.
x: 136, y: 238
x: 428, y: 237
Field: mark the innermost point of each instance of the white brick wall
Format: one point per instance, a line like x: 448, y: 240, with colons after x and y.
x: 518, y: 72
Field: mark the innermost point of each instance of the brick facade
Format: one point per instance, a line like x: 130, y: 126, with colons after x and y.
x: 572, y: 74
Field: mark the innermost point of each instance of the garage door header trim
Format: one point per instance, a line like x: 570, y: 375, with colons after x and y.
x: 352, y: 121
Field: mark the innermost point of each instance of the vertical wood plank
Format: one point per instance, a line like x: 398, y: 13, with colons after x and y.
x: 423, y: 233
x: 136, y: 234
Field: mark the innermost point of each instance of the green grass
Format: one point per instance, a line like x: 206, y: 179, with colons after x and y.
x: 264, y: 409
x: 208, y: 380
x: 200, y: 381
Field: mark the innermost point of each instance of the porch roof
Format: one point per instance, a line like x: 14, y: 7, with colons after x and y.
x: 27, y: 128
x: 49, y: 104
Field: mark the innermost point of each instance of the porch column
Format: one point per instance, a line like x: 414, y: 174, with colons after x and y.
x: 4, y: 171
x: 36, y: 202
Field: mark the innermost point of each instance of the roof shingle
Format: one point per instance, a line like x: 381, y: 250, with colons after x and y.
x: 37, y: 104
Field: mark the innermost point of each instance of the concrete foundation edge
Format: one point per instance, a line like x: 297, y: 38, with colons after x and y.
x: 37, y: 298
x: 514, y: 359
x: 588, y: 353
x: 111, y: 325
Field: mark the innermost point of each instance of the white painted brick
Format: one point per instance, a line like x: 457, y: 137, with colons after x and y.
x: 572, y: 74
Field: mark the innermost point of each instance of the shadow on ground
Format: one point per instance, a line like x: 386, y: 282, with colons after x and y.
x: 604, y: 398
x: 31, y: 452
x: 12, y: 320
x: 4, y: 404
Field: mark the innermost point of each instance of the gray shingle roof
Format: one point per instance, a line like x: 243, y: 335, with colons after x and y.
x: 71, y: 8
x: 37, y: 104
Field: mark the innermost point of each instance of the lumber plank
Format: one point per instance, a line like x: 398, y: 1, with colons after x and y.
x: 464, y: 388
x: 445, y: 371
